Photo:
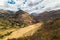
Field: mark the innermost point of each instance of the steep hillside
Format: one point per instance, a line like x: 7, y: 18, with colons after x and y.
x: 20, y: 18
x: 24, y: 18
x: 11, y: 21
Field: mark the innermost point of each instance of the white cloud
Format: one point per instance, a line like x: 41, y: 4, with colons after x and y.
x: 31, y: 6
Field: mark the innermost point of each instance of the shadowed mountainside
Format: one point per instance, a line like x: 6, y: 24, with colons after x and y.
x: 47, y: 15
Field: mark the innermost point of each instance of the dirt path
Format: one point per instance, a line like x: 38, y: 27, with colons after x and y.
x: 27, y: 31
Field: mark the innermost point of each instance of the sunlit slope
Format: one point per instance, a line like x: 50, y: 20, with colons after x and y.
x: 27, y: 31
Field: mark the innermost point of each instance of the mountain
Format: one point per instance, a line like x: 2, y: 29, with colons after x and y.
x: 11, y: 21
x: 32, y: 29
x: 18, y: 18
x: 24, y: 18
x: 6, y: 13
x: 6, y: 18
x: 49, y: 30
x: 55, y: 14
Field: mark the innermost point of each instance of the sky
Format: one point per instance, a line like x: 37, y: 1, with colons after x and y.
x: 30, y: 6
